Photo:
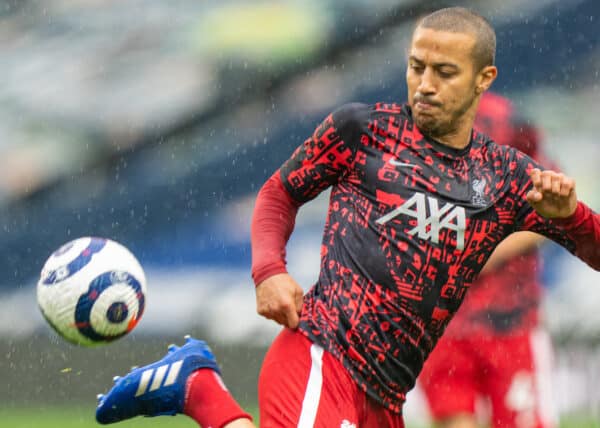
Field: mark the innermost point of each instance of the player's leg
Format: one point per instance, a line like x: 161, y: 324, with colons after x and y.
x: 240, y: 423
x: 210, y: 404
x: 458, y: 421
x: 518, y: 383
x: 450, y: 382
x: 186, y: 381
x: 301, y: 385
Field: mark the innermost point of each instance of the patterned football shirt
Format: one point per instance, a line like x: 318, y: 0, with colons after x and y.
x: 411, y: 222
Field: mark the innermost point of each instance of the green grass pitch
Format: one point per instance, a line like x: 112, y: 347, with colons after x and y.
x: 81, y: 417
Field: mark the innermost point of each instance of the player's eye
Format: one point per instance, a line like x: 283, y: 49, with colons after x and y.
x: 416, y: 67
x: 446, y: 73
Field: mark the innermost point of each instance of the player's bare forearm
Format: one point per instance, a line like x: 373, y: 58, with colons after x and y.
x: 514, y: 245
x: 279, y: 298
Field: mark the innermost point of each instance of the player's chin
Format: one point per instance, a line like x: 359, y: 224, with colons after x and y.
x: 427, y: 124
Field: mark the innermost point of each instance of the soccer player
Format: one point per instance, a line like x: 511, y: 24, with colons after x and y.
x: 418, y: 203
x: 495, y: 347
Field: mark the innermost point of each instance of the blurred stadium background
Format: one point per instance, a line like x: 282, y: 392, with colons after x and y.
x: 154, y: 123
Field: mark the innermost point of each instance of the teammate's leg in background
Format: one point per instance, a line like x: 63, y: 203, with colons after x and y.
x: 519, y: 386
x: 450, y: 380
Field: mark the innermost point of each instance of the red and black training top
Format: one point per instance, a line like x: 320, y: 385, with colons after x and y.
x: 411, y: 222
x: 506, y: 300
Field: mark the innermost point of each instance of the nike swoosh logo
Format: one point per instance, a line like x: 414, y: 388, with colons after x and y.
x: 396, y: 162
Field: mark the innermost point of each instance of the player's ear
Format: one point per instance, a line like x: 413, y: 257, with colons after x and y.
x: 485, y: 77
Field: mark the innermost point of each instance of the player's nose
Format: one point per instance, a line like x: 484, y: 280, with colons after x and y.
x: 426, y: 83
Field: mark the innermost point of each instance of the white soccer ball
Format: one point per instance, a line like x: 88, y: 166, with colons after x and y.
x: 92, y: 291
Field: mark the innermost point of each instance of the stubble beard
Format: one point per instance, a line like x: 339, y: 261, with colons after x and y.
x: 437, y: 129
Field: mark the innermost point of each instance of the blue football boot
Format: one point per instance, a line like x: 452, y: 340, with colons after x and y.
x: 158, y: 388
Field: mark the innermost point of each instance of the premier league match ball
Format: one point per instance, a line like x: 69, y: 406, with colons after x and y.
x: 92, y: 291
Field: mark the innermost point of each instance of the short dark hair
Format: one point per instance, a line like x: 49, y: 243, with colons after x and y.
x: 463, y: 20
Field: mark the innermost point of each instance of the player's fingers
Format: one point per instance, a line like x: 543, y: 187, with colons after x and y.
x: 536, y: 177
x: 282, y: 315
x: 299, y: 302
x: 278, y: 317
x: 279, y: 311
x: 282, y: 320
x: 285, y: 315
x: 264, y: 311
x: 268, y: 309
x: 557, y: 180
x: 567, y: 186
x: 546, y: 181
x: 292, y: 319
x: 533, y: 196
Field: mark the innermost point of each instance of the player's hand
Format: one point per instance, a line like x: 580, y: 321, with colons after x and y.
x: 279, y: 298
x: 553, y: 194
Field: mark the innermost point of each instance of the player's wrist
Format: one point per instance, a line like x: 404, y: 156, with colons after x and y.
x: 573, y: 218
x: 260, y: 275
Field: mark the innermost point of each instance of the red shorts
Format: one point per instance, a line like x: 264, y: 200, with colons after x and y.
x: 512, y: 372
x: 301, y: 385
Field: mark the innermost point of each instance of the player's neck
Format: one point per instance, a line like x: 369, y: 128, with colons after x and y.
x: 458, y: 139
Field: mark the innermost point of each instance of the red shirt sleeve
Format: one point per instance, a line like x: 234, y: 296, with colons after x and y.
x: 579, y: 233
x: 321, y: 161
x: 272, y: 224
x: 584, y: 228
